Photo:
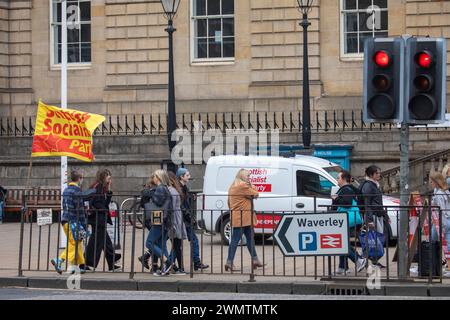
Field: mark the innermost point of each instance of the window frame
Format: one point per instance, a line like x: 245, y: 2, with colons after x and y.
x: 353, y: 56
x: 193, y: 36
x: 70, y: 65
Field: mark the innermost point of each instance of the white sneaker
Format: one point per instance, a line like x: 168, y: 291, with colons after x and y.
x: 446, y: 274
x: 343, y: 271
x: 361, y: 264
x: 414, y: 271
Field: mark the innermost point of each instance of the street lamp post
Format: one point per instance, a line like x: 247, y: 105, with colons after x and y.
x: 305, y: 7
x: 170, y: 10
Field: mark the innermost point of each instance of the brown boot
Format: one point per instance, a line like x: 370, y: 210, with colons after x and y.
x: 257, y: 264
x: 231, y: 267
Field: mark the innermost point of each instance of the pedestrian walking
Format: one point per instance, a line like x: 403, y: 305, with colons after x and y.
x: 74, y: 225
x: 158, y: 235
x: 178, y: 232
x: 240, y: 202
x: 374, y: 212
x: 346, y: 201
x: 184, y: 176
x: 146, y: 196
x: 441, y: 198
x: 100, y: 240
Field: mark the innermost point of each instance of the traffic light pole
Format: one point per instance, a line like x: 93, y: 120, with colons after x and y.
x: 404, y: 195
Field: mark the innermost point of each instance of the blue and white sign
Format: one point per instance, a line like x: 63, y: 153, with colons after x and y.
x: 317, y: 234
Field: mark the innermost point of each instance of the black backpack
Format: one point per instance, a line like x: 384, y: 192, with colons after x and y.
x: 360, y: 197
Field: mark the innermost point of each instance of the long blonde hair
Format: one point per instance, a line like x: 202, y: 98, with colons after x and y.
x: 241, y: 177
x: 439, y: 180
x: 162, y: 176
x: 445, y: 170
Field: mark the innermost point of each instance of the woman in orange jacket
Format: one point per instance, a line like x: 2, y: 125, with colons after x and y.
x: 240, y: 197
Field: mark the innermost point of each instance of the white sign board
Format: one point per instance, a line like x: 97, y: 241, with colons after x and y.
x: 317, y: 234
x: 44, y: 217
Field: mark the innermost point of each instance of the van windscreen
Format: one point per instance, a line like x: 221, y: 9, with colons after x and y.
x: 333, y: 171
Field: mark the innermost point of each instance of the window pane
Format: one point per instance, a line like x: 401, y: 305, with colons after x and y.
x: 214, y: 26
x: 57, y: 12
x: 227, y: 6
x: 215, y: 48
x: 366, y: 22
x: 73, y: 53
x: 228, y: 27
x: 85, y: 33
x: 86, y: 52
x: 349, y: 4
x: 351, y: 22
x: 213, y: 7
x: 380, y: 3
x: 85, y: 11
x: 228, y: 47
x: 59, y: 54
x: 384, y: 20
x: 58, y: 38
x: 200, y: 7
x: 312, y: 184
x: 202, y: 51
x: 364, y: 4
x: 201, y: 28
x: 362, y: 38
x: 73, y: 35
x: 351, y: 43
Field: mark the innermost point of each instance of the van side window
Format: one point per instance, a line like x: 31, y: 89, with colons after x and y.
x: 311, y: 184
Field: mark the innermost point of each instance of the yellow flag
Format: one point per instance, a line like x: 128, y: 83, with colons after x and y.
x: 64, y: 132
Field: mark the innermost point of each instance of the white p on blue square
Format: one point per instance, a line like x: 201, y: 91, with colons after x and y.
x: 307, y: 241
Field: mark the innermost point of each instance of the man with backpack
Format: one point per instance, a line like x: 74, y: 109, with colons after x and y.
x: 375, y: 214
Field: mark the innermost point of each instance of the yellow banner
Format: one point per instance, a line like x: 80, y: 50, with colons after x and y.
x: 64, y: 132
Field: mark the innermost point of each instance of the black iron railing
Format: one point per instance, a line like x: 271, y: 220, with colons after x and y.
x: 156, y: 124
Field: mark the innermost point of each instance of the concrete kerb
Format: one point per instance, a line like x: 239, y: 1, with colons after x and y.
x: 13, y: 282
x: 296, y: 288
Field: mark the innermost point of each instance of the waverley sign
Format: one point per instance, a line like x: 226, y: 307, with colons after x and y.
x: 317, y: 234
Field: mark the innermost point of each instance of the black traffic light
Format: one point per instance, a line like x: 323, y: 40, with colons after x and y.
x: 426, y: 76
x: 383, y: 80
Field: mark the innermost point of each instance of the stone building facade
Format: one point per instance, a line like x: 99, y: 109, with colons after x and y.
x: 127, y: 73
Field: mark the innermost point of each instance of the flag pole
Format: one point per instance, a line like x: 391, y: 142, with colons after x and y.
x: 63, y: 101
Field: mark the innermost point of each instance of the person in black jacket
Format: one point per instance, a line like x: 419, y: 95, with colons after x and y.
x: 346, y: 198
x: 183, y: 176
x: 99, y: 240
x: 375, y: 215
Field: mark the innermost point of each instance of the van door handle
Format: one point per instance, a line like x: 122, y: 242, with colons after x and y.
x: 300, y: 205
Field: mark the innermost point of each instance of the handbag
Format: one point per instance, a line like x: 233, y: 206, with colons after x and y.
x: 78, y: 231
x: 354, y: 218
x: 159, y: 215
x: 372, y: 244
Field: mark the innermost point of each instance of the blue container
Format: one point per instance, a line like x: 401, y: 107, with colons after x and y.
x: 337, y: 153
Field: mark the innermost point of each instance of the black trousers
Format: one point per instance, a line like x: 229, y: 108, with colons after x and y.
x: 99, y: 241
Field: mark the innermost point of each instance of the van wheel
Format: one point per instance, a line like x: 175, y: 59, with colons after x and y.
x: 225, y: 230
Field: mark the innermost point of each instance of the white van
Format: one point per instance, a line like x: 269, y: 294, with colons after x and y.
x: 285, y: 185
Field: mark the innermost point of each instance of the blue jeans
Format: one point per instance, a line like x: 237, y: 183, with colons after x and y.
x: 352, y: 255
x: 236, y: 235
x: 156, y: 241
x: 193, y: 237
x: 446, y: 227
x: 1, y: 210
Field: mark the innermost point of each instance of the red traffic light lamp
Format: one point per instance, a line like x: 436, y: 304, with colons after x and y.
x: 424, y: 59
x: 382, y: 59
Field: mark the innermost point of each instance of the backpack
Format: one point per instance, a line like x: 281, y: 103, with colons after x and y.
x: 360, y: 197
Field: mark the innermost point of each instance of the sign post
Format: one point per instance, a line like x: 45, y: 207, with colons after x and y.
x: 313, y: 234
